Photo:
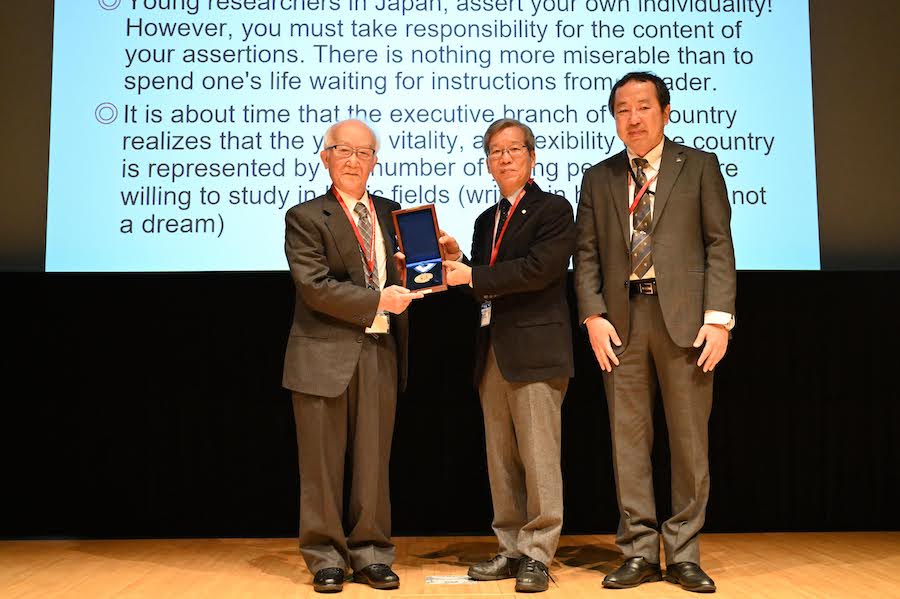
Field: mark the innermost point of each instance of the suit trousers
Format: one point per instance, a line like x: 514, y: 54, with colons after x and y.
x: 522, y: 427
x: 356, y: 426
x: 652, y: 361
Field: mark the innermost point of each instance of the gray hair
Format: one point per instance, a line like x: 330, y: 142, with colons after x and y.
x: 501, y: 124
x: 329, y: 134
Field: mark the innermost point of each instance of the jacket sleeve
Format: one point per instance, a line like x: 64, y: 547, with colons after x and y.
x: 318, y: 288
x: 588, y: 271
x: 720, y: 283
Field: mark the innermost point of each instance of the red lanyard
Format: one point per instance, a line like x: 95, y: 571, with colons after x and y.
x: 370, y: 259
x: 641, y: 193
x: 512, y: 209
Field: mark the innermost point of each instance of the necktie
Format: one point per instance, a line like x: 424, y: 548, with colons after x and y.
x: 365, y: 231
x: 504, y: 213
x: 641, y: 255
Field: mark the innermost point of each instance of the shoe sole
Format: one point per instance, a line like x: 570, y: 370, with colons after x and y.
x: 381, y: 586
x: 530, y: 589
x: 328, y: 588
x: 487, y: 577
x: 700, y: 589
x: 619, y: 585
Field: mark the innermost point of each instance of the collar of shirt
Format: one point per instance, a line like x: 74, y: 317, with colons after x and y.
x: 654, y: 157
x: 352, y: 202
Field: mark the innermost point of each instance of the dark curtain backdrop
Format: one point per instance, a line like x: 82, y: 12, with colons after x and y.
x: 150, y: 405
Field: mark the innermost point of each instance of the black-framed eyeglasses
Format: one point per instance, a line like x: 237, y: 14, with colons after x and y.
x: 343, y: 151
x: 514, y: 152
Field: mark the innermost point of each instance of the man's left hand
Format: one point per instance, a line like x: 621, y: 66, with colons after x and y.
x: 458, y: 273
x: 450, y: 246
x: 715, y: 336
x: 400, y: 264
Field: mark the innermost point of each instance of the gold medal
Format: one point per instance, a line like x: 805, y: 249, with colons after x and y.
x: 424, y: 277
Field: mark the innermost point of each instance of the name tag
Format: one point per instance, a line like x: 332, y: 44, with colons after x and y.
x: 485, y: 314
x: 381, y: 324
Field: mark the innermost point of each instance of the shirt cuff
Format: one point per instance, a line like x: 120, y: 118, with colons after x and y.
x: 716, y: 317
x: 584, y: 322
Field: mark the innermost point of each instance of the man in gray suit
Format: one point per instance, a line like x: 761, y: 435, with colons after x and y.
x: 520, y: 255
x: 346, y: 357
x: 655, y: 280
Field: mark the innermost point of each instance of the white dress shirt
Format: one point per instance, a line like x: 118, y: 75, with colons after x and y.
x: 380, y: 257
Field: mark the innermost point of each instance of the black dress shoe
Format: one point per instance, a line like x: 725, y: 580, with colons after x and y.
x: 532, y: 577
x: 496, y: 568
x: 690, y: 577
x: 634, y: 571
x: 329, y: 580
x: 377, y: 576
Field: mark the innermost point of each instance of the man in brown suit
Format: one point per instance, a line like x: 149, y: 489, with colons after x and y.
x: 346, y: 357
x: 655, y: 280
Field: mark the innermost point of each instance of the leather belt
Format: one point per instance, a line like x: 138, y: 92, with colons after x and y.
x: 642, y: 287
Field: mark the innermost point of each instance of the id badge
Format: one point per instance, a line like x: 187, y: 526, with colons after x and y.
x: 381, y: 324
x: 485, y: 314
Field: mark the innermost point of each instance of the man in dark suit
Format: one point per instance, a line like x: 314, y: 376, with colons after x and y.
x: 655, y: 276
x: 346, y: 357
x: 520, y: 255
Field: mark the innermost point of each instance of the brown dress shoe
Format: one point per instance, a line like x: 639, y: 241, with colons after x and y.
x: 690, y: 577
x: 496, y: 568
x: 634, y: 571
x: 533, y: 576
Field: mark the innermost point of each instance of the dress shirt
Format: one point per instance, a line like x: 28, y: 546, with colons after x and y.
x: 380, y: 258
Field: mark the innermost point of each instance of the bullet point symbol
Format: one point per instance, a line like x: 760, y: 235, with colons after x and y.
x: 109, y: 4
x: 106, y: 113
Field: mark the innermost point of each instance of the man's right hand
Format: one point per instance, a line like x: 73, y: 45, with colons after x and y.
x: 602, y: 334
x: 396, y: 299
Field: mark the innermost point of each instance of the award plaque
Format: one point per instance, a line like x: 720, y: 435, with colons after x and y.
x: 417, y: 235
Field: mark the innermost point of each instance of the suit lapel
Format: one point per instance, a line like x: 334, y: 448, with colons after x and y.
x: 487, y: 238
x: 619, y: 192
x: 517, y: 219
x: 669, y: 169
x: 344, y: 238
x: 382, y: 210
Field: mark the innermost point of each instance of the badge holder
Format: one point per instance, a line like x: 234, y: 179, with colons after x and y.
x: 417, y: 235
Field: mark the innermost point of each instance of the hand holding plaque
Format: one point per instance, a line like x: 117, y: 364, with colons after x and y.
x: 417, y: 235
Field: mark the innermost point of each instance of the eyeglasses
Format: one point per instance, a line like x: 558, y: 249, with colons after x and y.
x: 342, y: 151
x: 514, y: 152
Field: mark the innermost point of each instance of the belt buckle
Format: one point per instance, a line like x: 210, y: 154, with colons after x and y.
x: 645, y: 287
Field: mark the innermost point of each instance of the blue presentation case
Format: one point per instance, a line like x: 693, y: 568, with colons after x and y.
x: 417, y: 234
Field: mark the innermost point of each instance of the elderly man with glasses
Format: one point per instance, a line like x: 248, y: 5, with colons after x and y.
x: 520, y: 255
x: 346, y: 358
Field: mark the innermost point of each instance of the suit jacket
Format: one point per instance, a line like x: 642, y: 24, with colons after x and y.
x: 693, y: 254
x: 333, y: 307
x: 530, y: 326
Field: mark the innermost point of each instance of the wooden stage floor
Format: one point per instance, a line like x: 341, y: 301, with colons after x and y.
x: 789, y: 565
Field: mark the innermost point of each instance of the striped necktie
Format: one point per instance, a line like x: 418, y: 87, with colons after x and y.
x: 365, y: 231
x: 641, y: 244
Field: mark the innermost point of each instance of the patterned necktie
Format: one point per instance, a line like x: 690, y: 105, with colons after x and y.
x: 365, y: 231
x: 641, y: 255
x: 504, y: 213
